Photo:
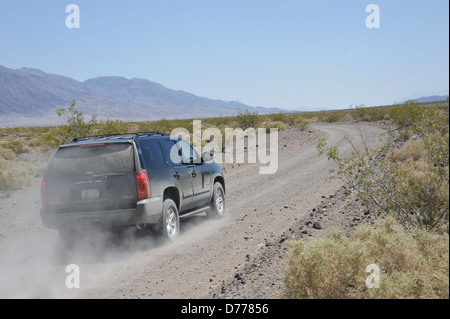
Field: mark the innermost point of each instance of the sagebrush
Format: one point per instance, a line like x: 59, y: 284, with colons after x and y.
x: 413, y: 264
x: 410, y: 183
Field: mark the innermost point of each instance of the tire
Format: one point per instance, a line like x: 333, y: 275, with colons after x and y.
x: 168, y: 226
x: 217, y: 209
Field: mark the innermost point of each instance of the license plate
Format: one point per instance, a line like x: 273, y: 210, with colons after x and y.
x: 87, y: 194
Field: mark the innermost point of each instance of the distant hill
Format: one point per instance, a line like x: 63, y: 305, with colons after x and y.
x: 31, y: 97
x: 433, y: 98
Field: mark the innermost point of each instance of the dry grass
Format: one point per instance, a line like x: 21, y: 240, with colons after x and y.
x: 15, y: 170
x: 281, y: 126
x: 411, y: 150
x: 414, y: 158
x: 302, y: 124
x: 14, y: 174
x: 14, y: 141
x: 413, y: 264
x: 6, y: 153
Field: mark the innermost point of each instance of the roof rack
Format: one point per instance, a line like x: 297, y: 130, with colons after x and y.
x: 134, y: 134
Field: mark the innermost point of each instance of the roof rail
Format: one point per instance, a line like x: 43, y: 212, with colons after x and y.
x: 135, y: 135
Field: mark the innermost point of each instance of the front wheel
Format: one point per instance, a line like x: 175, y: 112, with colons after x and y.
x: 218, y: 202
x: 168, y: 226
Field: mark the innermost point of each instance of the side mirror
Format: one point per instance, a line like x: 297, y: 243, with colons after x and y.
x: 208, y: 156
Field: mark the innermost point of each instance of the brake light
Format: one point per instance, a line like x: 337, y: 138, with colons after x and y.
x: 44, y: 192
x: 143, y: 185
x: 92, y: 145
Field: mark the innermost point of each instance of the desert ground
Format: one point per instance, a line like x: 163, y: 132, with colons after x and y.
x: 239, y: 256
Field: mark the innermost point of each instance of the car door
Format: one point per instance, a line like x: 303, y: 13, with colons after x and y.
x: 200, y: 174
x: 180, y: 172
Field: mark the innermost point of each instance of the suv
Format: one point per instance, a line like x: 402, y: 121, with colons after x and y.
x: 140, y: 179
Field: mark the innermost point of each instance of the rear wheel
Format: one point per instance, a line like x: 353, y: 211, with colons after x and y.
x: 168, y: 226
x: 217, y: 209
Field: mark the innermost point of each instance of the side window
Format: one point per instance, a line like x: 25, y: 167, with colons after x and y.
x: 171, y: 152
x: 150, y: 152
x: 188, y: 153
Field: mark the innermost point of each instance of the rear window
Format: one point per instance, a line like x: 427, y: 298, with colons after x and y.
x: 151, y: 154
x: 93, y: 159
x: 171, y: 151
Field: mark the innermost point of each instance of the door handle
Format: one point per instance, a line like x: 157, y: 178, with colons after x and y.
x: 193, y: 173
x: 176, y: 175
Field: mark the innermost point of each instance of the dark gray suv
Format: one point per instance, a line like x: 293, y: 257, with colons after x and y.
x: 143, y: 179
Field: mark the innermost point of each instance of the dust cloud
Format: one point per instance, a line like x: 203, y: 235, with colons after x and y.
x: 34, y: 265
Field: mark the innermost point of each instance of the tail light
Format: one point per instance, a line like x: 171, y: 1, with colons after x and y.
x: 44, y: 192
x: 143, y: 185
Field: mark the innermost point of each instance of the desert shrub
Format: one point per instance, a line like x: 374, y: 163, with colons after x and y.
x: 6, y: 153
x: 74, y: 125
x: 302, y: 124
x: 143, y: 126
x: 15, y: 174
x: 411, y: 184
x: 15, y: 146
x: 411, y: 150
x: 332, y: 116
x: 281, y: 126
x: 163, y: 126
x: 110, y: 126
x: 293, y: 118
x: 228, y: 121
x: 278, y: 117
x: 413, y: 264
x: 404, y: 115
x: 322, y: 268
x: 310, y: 116
x: 246, y: 119
x: 404, y: 134
x: 369, y: 114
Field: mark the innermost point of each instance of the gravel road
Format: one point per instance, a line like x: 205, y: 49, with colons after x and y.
x: 208, y: 254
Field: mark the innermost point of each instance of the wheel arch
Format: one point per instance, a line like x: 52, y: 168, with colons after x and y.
x: 221, y: 180
x: 172, y: 193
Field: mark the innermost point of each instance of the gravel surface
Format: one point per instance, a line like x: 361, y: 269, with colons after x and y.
x: 240, y: 256
x: 260, y: 277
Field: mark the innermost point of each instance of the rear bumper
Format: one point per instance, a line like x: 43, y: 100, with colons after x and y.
x: 148, y: 211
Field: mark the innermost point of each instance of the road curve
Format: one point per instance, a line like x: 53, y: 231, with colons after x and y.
x: 32, y: 264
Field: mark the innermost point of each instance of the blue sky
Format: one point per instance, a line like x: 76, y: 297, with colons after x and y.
x: 290, y: 54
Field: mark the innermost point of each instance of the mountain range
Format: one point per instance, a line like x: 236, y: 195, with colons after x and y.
x: 432, y: 98
x: 30, y: 97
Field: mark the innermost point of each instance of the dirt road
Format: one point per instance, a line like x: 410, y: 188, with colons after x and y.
x: 259, y: 209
